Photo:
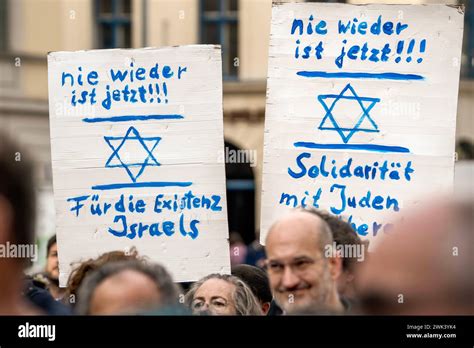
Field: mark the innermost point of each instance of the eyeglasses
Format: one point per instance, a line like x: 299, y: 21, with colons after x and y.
x: 298, y: 266
x: 218, y: 304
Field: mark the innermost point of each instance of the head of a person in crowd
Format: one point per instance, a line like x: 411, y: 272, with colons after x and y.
x: 257, y: 280
x: 222, y: 294
x: 424, y: 266
x: 126, y: 287
x: 351, y: 249
x: 51, y: 272
x: 52, y: 264
x: 17, y: 216
x: 303, y: 275
x: 82, y: 269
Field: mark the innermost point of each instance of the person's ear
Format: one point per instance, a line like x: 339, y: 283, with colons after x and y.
x: 265, y: 307
x: 335, y: 265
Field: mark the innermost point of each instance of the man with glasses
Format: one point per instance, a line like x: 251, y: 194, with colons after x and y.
x: 303, y: 277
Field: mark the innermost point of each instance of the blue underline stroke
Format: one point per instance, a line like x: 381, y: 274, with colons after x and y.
x: 360, y: 75
x: 141, y: 185
x: 126, y: 118
x: 363, y: 147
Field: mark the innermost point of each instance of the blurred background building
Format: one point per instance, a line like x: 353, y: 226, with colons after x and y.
x: 29, y: 29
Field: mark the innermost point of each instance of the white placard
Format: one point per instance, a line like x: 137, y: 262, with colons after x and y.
x: 135, y: 141
x: 361, y: 110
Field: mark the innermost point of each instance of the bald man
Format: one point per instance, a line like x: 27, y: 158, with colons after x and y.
x: 302, y: 278
x: 425, y: 266
x: 126, y: 287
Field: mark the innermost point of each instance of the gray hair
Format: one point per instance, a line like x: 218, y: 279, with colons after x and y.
x: 244, y: 299
x: 160, y: 276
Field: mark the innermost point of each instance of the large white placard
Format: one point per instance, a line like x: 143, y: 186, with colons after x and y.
x: 361, y: 110
x: 135, y: 140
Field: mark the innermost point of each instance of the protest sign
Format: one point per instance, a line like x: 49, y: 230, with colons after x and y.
x: 361, y: 110
x: 135, y: 138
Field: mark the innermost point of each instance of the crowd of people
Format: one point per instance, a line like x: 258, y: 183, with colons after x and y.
x: 315, y: 263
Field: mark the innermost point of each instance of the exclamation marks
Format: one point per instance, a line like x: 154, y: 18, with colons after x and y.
x: 165, y: 92
x: 150, y: 90
x: 157, y: 87
x: 399, y: 51
x: 410, y: 49
x: 411, y: 45
x: 422, y: 50
x: 160, y: 97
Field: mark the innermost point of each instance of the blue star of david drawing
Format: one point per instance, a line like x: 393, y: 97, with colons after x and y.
x: 148, y: 160
x: 348, y: 93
